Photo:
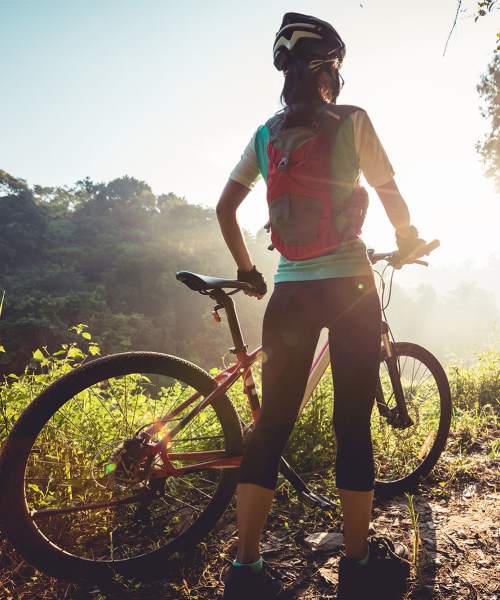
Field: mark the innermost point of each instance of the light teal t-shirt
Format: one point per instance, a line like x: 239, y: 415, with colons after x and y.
x: 348, y: 260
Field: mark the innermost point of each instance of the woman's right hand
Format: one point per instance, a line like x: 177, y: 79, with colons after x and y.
x: 408, y: 241
x: 255, y: 279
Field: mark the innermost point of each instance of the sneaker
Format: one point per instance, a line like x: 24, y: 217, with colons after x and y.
x: 382, y: 578
x: 242, y: 583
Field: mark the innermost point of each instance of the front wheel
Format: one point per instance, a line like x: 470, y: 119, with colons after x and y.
x: 405, y: 452
x: 78, y: 499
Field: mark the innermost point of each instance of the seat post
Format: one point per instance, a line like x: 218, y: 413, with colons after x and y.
x: 232, y: 318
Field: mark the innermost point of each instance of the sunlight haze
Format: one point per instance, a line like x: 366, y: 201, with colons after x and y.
x: 171, y: 94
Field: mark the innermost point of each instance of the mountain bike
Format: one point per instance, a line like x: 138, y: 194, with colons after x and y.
x: 133, y: 457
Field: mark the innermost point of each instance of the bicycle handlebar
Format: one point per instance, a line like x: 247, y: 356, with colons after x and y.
x: 393, y: 257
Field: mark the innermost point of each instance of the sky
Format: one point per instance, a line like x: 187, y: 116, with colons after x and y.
x: 171, y: 92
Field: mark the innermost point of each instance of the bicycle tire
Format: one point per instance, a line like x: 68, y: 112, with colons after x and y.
x: 387, y: 489
x: 21, y: 529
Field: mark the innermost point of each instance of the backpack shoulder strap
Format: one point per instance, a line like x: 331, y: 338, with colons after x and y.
x: 341, y: 110
x: 274, y: 123
x: 265, y: 133
x: 332, y: 115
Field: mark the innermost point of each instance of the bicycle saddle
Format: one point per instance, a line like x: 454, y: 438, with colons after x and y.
x: 205, y: 283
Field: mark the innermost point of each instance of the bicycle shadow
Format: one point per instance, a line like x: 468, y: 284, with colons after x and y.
x: 429, y: 554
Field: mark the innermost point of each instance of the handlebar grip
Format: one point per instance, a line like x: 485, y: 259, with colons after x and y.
x: 422, y: 251
x: 431, y: 246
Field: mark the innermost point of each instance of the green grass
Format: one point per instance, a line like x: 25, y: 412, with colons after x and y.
x: 73, y: 460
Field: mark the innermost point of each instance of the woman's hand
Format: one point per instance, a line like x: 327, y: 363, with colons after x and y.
x: 255, y: 279
x: 408, y: 241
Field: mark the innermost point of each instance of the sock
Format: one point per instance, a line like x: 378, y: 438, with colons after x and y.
x: 364, y: 561
x: 255, y: 566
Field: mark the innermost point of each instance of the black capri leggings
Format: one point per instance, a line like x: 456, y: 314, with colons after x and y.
x: 297, y: 311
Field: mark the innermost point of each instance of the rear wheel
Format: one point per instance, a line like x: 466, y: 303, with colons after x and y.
x: 74, y: 502
x: 404, y: 455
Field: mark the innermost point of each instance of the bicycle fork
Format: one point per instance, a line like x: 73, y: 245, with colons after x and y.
x: 398, y: 416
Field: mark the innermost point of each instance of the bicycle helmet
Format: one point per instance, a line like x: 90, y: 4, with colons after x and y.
x: 309, y: 39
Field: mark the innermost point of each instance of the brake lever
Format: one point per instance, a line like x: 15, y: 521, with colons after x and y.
x: 397, y: 264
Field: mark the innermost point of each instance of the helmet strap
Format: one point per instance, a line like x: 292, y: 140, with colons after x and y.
x: 315, y: 65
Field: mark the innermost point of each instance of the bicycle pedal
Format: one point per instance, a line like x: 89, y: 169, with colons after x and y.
x: 317, y: 500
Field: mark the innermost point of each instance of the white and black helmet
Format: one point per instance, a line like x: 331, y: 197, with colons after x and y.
x: 309, y: 39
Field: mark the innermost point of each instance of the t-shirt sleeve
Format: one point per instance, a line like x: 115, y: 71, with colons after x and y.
x: 247, y: 170
x: 372, y: 157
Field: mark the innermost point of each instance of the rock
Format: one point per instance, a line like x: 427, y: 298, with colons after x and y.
x: 484, y: 563
x: 436, y: 560
x: 329, y: 575
x: 268, y: 550
x: 324, y: 541
x: 470, y: 491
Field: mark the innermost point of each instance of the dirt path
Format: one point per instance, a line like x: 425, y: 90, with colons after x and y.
x: 458, y: 550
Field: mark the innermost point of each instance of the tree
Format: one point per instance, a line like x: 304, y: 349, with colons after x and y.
x: 489, y: 147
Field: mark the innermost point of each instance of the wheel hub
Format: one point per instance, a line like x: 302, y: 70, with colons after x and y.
x: 127, y: 464
x: 397, y: 421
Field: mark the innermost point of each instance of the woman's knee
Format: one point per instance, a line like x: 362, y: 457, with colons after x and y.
x: 354, y: 464
x: 263, y: 449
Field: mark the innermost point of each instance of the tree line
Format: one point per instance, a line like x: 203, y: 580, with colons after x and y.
x: 106, y: 254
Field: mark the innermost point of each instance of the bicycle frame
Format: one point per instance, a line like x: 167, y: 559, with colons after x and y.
x: 225, y: 379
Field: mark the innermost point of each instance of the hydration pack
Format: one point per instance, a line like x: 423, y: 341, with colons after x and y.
x: 305, y: 218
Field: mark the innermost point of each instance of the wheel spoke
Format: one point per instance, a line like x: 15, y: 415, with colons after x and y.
x: 50, y: 512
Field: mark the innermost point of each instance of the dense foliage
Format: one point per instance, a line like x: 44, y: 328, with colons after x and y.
x: 106, y: 255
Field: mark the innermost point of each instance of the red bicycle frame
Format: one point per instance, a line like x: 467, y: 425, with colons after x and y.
x: 212, y: 459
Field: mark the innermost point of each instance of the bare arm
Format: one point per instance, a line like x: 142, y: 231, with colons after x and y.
x: 394, y: 205
x: 232, y: 196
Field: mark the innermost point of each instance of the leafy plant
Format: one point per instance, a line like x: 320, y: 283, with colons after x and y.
x: 414, y: 518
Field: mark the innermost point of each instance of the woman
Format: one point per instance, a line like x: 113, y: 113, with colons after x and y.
x: 331, y: 286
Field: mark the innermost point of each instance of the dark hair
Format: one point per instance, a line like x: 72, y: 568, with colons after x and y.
x: 303, y: 93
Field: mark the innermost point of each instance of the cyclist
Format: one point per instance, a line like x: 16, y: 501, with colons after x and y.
x: 332, y: 287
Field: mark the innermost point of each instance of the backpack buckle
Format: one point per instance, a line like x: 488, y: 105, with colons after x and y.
x: 283, y: 163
